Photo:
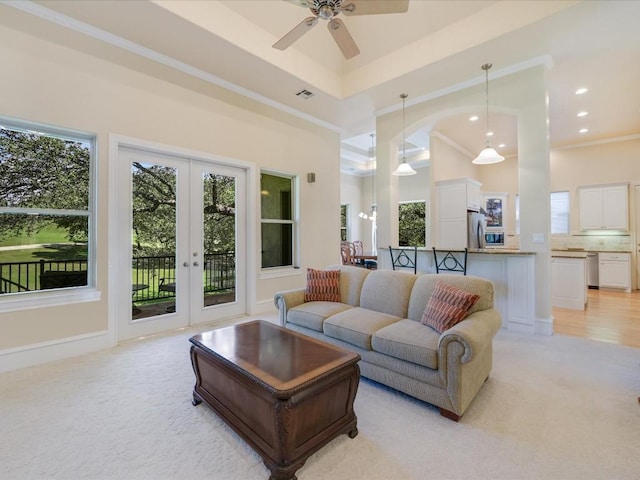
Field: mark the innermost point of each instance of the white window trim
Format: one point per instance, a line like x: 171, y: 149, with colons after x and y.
x: 11, y: 302
x: 286, y: 270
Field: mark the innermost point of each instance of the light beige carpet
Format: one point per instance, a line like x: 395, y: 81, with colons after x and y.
x: 554, y: 408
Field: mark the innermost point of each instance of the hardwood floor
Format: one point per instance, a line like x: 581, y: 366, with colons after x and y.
x: 610, y: 316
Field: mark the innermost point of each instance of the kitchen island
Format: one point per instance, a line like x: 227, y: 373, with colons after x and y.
x: 512, y: 273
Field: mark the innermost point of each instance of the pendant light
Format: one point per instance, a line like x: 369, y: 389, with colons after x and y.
x: 404, y: 168
x: 488, y: 155
x: 371, y: 216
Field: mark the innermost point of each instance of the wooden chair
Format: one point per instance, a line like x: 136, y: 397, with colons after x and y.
x: 404, y: 257
x: 346, y: 253
x: 447, y: 261
x: 358, y: 249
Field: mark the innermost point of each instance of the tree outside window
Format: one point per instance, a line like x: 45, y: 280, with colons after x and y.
x: 278, y: 224
x: 412, y: 224
x: 344, y: 223
x: 45, y: 213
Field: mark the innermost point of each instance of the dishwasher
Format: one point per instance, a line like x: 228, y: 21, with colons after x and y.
x: 592, y: 270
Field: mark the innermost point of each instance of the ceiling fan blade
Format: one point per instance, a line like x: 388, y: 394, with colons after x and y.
x: 301, y: 3
x: 343, y: 38
x: 297, y: 31
x: 372, y: 7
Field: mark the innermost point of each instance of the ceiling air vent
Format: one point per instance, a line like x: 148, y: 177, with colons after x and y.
x: 305, y: 94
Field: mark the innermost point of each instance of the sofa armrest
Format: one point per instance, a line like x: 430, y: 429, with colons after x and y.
x: 286, y: 300
x: 474, y: 333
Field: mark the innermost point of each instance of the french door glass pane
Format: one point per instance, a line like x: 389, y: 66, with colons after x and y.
x: 153, y: 239
x: 219, y: 237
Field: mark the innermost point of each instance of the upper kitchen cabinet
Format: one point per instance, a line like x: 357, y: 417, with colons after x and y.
x: 455, y: 198
x: 604, y: 207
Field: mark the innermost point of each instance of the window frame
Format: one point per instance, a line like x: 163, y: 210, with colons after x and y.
x: 566, y: 214
x: 423, y: 202
x: 278, y: 270
x: 345, y: 212
x: 86, y: 293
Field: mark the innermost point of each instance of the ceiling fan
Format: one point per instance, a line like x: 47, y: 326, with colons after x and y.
x: 329, y: 9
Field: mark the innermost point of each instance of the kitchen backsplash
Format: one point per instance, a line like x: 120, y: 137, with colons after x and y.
x: 587, y: 242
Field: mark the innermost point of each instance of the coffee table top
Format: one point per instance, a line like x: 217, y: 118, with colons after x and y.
x: 280, y: 358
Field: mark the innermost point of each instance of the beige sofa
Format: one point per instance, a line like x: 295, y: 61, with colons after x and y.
x: 379, y: 318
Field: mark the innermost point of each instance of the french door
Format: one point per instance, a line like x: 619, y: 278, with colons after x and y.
x: 182, y: 234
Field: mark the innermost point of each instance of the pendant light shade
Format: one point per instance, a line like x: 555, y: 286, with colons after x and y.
x: 488, y: 155
x: 404, y: 169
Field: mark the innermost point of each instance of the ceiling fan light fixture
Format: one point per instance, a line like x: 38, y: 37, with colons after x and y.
x: 404, y: 169
x: 488, y: 155
x: 328, y: 10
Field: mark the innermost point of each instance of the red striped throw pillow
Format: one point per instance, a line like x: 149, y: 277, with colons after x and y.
x: 322, y: 286
x: 447, y: 306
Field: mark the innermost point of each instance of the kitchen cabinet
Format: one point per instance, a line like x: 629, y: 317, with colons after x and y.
x: 614, y: 270
x: 568, y: 281
x: 454, y: 198
x: 604, y: 207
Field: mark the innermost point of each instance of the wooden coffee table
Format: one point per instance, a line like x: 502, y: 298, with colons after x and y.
x: 286, y: 394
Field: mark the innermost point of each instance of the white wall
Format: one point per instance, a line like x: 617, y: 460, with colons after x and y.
x: 53, y: 76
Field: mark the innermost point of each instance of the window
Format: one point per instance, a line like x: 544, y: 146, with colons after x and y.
x: 46, y: 215
x: 344, y: 223
x: 559, y: 213
x: 278, y: 220
x: 412, y: 224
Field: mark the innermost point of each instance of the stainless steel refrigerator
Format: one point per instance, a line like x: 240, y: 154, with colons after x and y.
x: 477, y: 225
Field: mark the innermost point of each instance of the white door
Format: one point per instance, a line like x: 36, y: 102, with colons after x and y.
x: 182, y: 260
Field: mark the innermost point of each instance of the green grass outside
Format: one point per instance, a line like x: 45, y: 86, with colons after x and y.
x: 49, y: 234
x: 58, y: 252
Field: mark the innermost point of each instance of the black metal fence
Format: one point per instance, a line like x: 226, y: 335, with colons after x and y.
x: 28, y: 276
x: 152, y: 277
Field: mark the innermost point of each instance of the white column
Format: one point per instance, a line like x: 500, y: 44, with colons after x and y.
x: 534, y: 186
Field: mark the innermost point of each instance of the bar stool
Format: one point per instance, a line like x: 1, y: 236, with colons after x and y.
x: 446, y: 260
x: 404, y: 257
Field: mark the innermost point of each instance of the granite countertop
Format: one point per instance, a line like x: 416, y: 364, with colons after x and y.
x: 580, y: 250
x: 490, y: 251
x: 569, y: 254
x: 501, y: 251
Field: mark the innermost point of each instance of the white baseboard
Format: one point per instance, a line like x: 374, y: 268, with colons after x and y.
x: 544, y: 326
x: 38, y: 353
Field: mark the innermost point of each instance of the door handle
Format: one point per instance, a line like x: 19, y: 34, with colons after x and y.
x: 195, y: 264
x: 185, y: 264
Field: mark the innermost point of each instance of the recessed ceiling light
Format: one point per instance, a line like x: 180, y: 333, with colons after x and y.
x: 489, y: 134
x: 582, y: 90
x: 473, y: 118
x: 584, y: 130
x: 583, y: 114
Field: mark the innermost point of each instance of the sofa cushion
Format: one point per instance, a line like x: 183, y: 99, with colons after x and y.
x: 387, y: 291
x: 425, y: 284
x: 447, y: 306
x: 351, y: 280
x: 312, y: 314
x: 357, y: 325
x: 410, y: 341
x: 322, y: 286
